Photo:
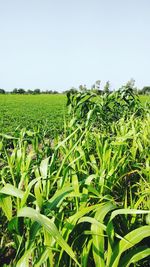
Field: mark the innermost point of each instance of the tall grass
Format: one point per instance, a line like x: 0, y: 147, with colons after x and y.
x: 82, y: 198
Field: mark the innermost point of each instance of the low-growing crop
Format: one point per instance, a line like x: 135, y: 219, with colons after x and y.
x: 32, y: 112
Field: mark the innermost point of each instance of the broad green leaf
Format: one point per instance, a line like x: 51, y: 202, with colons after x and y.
x: 98, y: 237
x: 49, y: 242
x: 90, y: 178
x: 74, y: 218
x: 50, y: 227
x: 38, y: 194
x: 11, y: 190
x: 134, y: 256
x: 44, y: 167
x: 89, y: 117
x: 28, y: 189
x: 16, y: 226
x: 110, y: 226
x: 92, y: 221
x: 57, y: 198
x: 43, y: 257
x: 8, y: 136
x: 127, y: 211
x: 6, y: 205
x: 35, y: 227
x: 75, y: 183
x: 1, y: 145
x: 131, y: 239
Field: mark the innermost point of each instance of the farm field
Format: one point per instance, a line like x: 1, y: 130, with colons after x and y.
x: 30, y: 111
x: 144, y: 99
x: 80, y: 198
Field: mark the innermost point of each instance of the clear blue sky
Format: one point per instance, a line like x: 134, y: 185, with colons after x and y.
x: 57, y: 44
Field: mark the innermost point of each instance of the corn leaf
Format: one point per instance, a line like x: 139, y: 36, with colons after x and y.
x: 131, y: 239
x: 6, y: 205
x: 11, y: 190
x: 50, y: 227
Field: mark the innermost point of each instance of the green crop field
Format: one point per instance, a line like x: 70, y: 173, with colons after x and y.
x: 30, y: 111
x: 145, y: 99
x: 80, y: 198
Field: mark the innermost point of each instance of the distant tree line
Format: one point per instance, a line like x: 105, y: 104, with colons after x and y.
x: 29, y: 91
x: 144, y: 91
x: 96, y: 87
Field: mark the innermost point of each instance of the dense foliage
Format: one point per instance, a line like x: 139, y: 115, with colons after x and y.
x: 81, y: 198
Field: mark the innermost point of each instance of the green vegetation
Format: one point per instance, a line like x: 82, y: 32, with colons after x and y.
x: 31, y: 111
x: 144, y: 99
x: 81, y: 198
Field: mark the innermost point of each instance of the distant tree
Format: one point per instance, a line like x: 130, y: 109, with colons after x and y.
x: 37, y: 91
x: 73, y: 90
x: 55, y: 92
x: 21, y: 91
x: 146, y: 90
x: 93, y: 87
x: 97, y: 84
x: 29, y: 91
x: 45, y: 92
x: 15, y: 91
x: 2, y: 91
x: 107, y: 87
x: 96, y: 87
x: 82, y: 88
x: 131, y: 83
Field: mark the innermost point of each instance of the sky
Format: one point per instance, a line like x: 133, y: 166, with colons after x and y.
x: 59, y: 44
